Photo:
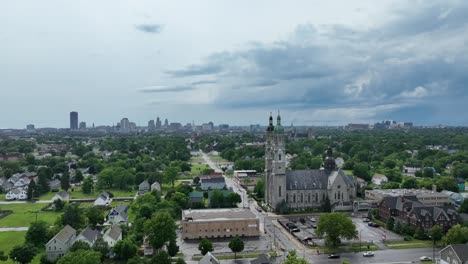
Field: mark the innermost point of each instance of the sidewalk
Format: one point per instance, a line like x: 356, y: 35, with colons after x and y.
x: 13, y: 229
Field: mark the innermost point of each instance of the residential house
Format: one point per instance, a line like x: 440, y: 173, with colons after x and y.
x: 20, y: 194
x: 54, y: 185
x: 409, y: 210
x: 58, y: 246
x: 156, y: 186
x: 118, y: 215
x: 148, y: 250
x: 195, y: 198
x: 103, y: 199
x: 410, y: 169
x: 262, y: 259
x: 455, y: 198
x: 209, y: 259
x: 379, y: 179
x: 212, y: 182
x: 89, y: 236
x: 454, y: 254
x: 112, y: 235
x: 144, y: 187
x: 63, y: 196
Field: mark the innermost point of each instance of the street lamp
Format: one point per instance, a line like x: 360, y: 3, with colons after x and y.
x: 360, y: 240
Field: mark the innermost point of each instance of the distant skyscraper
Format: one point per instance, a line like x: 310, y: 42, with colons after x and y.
x: 158, y: 123
x: 151, y: 125
x: 30, y: 127
x: 166, y: 123
x: 74, y: 120
x: 82, y: 125
x: 124, y: 125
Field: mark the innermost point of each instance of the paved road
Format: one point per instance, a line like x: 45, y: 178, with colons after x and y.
x: 14, y: 229
x: 23, y: 202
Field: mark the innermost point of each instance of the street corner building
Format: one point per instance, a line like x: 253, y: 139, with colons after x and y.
x: 303, y: 189
x: 219, y: 223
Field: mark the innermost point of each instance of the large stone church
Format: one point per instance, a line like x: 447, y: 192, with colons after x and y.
x: 303, y: 189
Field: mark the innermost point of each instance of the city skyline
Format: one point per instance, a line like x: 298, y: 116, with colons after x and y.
x: 321, y: 63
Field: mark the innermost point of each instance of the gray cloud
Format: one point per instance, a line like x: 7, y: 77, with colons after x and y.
x: 165, y: 89
x: 417, y: 59
x: 149, y: 28
x: 203, y: 82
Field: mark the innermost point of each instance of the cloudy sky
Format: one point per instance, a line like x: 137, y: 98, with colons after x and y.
x: 319, y: 62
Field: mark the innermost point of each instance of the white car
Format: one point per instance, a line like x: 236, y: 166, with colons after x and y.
x: 425, y: 258
x: 368, y: 254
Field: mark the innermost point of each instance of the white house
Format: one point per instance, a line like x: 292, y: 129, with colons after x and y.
x: 379, y: 179
x: 156, y: 186
x: 20, y: 194
x: 144, y: 187
x: 410, y: 170
x: 58, y: 246
x: 112, y: 235
x: 118, y: 215
x: 89, y: 236
x: 209, y: 259
x: 103, y: 199
x: 63, y: 195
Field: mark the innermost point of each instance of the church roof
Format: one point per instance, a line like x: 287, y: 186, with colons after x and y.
x: 313, y: 179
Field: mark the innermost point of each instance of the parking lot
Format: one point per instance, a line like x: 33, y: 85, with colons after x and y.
x: 366, y: 233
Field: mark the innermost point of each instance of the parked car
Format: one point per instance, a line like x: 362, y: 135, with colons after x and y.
x: 313, y: 225
x: 295, y: 229
x: 258, y: 209
x: 365, y: 220
x: 291, y: 225
x: 375, y: 225
x: 302, y: 220
x: 370, y: 223
x: 368, y: 254
x: 307, y: 238
x: 425, y: 258
x: 313, y: 219
x: 333, y: 256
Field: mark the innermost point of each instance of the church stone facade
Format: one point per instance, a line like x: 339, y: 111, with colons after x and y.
x: 303, y: 189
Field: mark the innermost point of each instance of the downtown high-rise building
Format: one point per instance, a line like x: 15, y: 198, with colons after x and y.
x: 74, y: 120
x: 151, y: 125
x: 158, y: 123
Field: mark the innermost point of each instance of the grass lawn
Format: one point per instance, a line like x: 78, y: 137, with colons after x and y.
x: 78, y: 193
x: 197, y: 169
x: 353, y: 247
x: 24, y: 214
x: 217, y: 159
x: 10, y: 239
x: 168, y: 186
x: 410, y: 244
x: 197, y: 160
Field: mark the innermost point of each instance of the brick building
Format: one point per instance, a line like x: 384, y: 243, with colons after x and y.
x: 217, y: 223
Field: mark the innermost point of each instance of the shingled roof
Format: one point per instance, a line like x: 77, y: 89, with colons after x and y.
x: 313, y: 179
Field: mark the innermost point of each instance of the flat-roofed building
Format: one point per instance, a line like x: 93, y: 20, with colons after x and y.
x: 218, y: 223
x: 426, y: 197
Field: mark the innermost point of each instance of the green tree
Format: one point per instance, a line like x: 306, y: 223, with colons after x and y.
x: 37, y: 234
x: 58, y: 205
x: 80, y: 245
x: 205, y: 246
x: 172, y: 248
x: 361, y: 170
x: 236, y: 245
x: 217, y: 199
x: 43, y: 180
x: 435, y: 233
x: 180, y: 261
x: 232, y: 199
x: 78, y: 176
x: 95, y: 216
x: 292, y: 258
x: 81, y: 257
x: 161, y: 257
x: 409, y: 183
x: 170, y: 174
x: 160, y: 229
x: 334, y: 226
x: 125, y: 249
x: 397, y: 227
x: 326, y: 205
x: 456, y: 235
x: 73, y: 216
x: 260, y: 189
x: 3, y: 257
x: 88, y: 185
x: 390, y: 223
x: 32, y: 190
x: 391, y: 185
x: 196, y: 180
x: 101, y: 246
x: 180, y: 199
x: 65, y: 181
x: 464, y: 207
x: 23, y: 253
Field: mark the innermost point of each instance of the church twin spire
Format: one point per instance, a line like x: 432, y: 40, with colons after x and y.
x: 278, y: 127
